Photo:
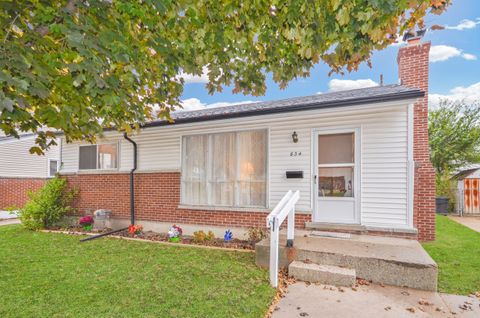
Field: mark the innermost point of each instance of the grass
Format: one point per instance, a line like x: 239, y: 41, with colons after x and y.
x: 53, y: 275
x: 457, y: 253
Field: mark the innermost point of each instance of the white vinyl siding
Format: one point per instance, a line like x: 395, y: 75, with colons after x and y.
x: 383, y: 154
x: 17, y: 162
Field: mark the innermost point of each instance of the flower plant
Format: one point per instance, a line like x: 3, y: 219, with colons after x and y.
x: 135, y: 229
x: 87, y: 222
x: 175, y: 233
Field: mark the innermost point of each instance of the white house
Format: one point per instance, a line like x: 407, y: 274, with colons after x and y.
x: 359, y: 159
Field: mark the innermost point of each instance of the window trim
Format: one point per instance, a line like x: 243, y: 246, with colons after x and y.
x: 116, y: 143
x: 49, y: 166
x: 236, y: 182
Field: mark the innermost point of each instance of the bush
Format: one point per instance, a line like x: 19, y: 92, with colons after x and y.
x: 47, y: 205
x: 255, y: 235
x: 446, y: 187
x: 200, y: 236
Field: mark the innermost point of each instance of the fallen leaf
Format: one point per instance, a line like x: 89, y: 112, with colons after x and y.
x: 361, y: 281
x: 411, y: 309
x: 424, y: 302
x: 387, y: 308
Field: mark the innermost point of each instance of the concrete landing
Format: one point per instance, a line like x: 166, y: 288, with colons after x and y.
x: 323, y: 301
x: 385, y: 260
x: 325, y: 274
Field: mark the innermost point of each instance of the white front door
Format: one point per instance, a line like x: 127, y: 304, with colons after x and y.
x: 336, y: 189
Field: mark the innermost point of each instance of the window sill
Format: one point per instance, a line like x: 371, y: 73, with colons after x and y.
x: 223, y: 208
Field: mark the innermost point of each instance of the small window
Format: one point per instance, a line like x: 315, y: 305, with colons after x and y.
x: 102, y: 157
x: 52, y: 167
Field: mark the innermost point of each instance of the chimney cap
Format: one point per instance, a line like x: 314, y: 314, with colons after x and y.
x: 412, y: 35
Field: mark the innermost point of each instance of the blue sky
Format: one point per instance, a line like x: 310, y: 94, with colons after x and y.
x: 454, y: 66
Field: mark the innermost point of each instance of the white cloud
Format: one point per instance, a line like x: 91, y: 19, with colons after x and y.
x: 196, y: 104
x: 469, y: 56
x: 336, y: 85
x: 468, y: 94
x: 190, y: 78
x: 440, y: 53
x: 464, y: 24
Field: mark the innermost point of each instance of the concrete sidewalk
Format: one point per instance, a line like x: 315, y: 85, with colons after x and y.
x: 472, y: 222
x: 303, y: 300
x: 6, y: 215
x: 9, y: 221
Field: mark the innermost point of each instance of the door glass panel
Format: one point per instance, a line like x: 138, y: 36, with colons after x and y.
x: 336, y: 148
x: 335, y: 182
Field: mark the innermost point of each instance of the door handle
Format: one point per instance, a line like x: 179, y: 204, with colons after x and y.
x: 315, y: 179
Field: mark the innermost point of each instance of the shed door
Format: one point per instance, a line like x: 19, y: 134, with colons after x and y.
x: 472, y: 195
x: 336, y: 189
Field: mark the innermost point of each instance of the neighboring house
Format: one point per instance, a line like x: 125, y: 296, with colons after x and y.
x: 468, y: 190
x: 21, y: 172
x: 360, y: 159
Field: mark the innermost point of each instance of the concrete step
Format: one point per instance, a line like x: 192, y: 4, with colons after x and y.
x: 325, y: 274
x: 389, y: 261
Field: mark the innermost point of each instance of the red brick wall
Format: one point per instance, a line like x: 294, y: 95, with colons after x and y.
x: 157, y: 196
x: 14, y: 191
x: 413, y: 71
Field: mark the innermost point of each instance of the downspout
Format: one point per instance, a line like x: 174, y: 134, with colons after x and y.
x: 132, y: 194
x: 132, y: 182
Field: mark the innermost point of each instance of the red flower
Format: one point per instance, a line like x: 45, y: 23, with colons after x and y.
x: 86, y: 220
x: 135, y: 229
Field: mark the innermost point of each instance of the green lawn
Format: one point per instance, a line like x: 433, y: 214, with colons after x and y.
x: 457, y: 253
x: 53, y: 275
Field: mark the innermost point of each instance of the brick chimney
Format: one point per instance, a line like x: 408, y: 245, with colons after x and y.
x: 413, y: 72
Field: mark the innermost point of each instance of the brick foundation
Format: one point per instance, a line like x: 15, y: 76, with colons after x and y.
x: 413, y: 71
x: 157, y: 198
x: 14, y: 191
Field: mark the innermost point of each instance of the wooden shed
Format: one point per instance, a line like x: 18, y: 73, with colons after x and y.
x: 468, y: 194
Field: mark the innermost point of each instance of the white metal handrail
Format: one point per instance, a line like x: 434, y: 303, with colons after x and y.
x: 284, y: 208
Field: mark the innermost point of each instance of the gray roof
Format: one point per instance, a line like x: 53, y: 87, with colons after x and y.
x: 355, y: 97
x: 5, y: 138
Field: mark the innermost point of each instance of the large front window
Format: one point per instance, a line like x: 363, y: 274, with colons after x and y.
x: 225, y: 169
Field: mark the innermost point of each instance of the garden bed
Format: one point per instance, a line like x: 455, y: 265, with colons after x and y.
x: 235, y: 244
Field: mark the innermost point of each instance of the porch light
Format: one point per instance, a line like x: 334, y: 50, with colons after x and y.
x: 295, y: 137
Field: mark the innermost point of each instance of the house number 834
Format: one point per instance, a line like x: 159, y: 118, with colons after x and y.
x: 295, y: 153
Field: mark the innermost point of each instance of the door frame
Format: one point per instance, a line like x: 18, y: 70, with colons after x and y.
x: 357, y: 173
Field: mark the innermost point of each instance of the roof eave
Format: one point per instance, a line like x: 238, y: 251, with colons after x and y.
x: 257, y: 112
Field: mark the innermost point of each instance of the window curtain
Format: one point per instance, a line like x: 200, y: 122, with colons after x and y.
x: 252, y: 168
x: 225, y: 169
x: 194, y: 174
x: 222, y: 178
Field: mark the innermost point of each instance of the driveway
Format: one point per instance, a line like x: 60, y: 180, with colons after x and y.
x: 472, y: 222
x: 303, y: 300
